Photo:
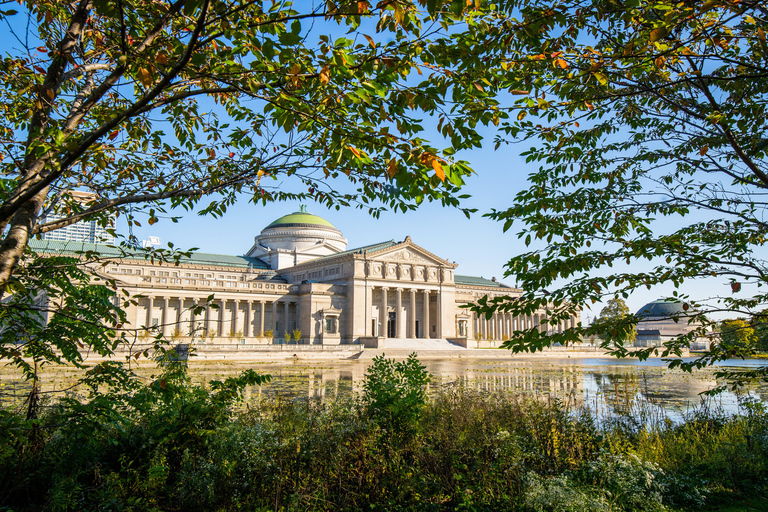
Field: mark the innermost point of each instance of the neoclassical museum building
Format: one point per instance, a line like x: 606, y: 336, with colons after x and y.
x: 299, y: 275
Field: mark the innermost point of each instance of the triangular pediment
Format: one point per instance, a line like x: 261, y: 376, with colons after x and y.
x: 410, y: 253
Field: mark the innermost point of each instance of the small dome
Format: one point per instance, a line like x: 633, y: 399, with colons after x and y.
x: 296, y: 238
x: 662, y: 308
x: 299, y: 220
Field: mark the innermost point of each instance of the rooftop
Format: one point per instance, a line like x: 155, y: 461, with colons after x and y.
x: 68, y: 248
x: 478, y: 281
x: 663, y: 308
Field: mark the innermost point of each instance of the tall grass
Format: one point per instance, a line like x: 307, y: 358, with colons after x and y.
x: 457, y: 451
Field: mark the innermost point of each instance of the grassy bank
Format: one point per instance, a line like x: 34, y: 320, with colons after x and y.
x: 175, y: 446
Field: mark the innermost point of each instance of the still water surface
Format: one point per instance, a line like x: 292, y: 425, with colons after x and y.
x: 606, y: 386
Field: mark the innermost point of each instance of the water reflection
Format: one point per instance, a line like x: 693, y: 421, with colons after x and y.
x: 607, y: 386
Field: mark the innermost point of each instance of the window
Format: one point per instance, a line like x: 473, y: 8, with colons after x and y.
x: 330, y: 325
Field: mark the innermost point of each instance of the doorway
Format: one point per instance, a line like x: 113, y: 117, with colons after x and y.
x: 391, y: 322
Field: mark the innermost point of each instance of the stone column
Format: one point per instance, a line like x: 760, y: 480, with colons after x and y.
x: 286, y: 325
x: 426, y: 330
x: 235, y: 319
x: 150, y: 306
x: 178, y: 316
x: 262, y: 308
x: 368, y: 316
x: 439, y: 313
x: 164, y: 317
x: 192, y: 318
x: 383, y: 315
x: 248, y: 320
x: 273, y: 327
x: 412, y: 317
x: 399, y: 324
x: 208, y: 319
x: 222, y: 314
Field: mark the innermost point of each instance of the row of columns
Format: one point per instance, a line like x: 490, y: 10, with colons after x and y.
x: 399, y: 320
x: 167, y: 324
x: 504, y: 324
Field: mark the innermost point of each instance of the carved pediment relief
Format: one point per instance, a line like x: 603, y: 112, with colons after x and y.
x: 408, y: 256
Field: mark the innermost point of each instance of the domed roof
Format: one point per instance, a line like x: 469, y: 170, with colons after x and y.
x: 295, y: 238
x: 662, y: 308
x: 301, y: 219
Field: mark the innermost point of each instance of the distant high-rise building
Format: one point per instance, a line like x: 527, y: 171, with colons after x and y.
x: 83, y: 231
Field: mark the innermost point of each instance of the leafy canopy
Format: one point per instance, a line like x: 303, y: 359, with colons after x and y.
x: 647, y: 122
x: 614, y: 316
x: 159, y: 104
x: 151, y: 105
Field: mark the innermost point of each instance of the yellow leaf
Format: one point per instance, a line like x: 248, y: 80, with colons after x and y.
x: 325, y: 75
x: 703, y: 150
x: 161, y: 59
x: 438, y: 167
x: 562, y: 63
x: 479, y: 87
x: 354, y: 151
x: 370, y: 40
x: 601, y: 78
x: 521, y: 115
x: 392, y: 168
x: 145, y: 77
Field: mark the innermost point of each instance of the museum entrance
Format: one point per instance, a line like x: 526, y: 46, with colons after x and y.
x: 391, y: 325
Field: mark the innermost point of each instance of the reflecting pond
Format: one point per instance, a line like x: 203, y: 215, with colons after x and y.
x: 605, y: 385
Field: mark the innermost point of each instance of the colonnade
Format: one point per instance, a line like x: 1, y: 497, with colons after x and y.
x: 408, y: 324
x: 502, y: 325
x: 247, y: 318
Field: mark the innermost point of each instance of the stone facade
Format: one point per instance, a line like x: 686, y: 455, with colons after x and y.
x: 299, y: 276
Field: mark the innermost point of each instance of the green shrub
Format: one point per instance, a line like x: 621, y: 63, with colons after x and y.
x: 394, y: 392
x: 628, y: 482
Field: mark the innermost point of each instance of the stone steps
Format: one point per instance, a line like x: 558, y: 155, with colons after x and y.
x: 419, y: 344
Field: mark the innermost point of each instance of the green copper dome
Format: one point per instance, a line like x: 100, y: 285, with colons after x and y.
x: 301, y: 219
